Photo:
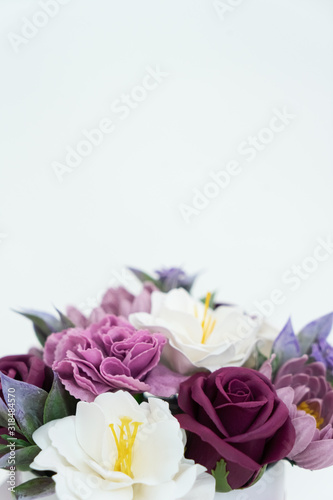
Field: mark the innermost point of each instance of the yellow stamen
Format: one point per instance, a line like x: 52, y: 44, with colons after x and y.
x: 207, y: 301
x: 207, y: 325
x: 308, y: 408
x: 125, y: 443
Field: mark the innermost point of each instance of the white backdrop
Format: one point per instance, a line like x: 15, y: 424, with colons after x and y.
x: 182, y: 92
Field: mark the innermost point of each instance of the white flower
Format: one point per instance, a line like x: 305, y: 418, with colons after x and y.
x: 200, y: 337
x: 116, y: 448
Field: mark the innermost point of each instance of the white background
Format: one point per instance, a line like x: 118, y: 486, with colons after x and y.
x: 65, y: 242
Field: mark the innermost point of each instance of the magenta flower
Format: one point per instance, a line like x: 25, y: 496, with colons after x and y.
x: 309, y: 397
x: 28, y: 368
x: 117, y: 301
x: 106, y: 356
x: 234, y: 414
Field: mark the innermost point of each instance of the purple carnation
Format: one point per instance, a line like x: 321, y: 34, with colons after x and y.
x: 117, y: 301
x: 106, y: 356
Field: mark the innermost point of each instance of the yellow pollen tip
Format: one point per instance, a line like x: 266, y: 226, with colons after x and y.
x: 207, y: 323
x: 125, y: 442
x: 311, y: 411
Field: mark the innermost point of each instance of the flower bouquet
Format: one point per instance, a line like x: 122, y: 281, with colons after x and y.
x: 162, y: 396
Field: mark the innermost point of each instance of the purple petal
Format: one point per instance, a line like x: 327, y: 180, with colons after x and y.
x: 50, y: 346
x: 76, y: 317
x: 320, y: 328
x: 111, y: 367
x: 318, y: 455
x: 286, y: 345
x: 305, y: 427
x: 327, y: 412
x: 164, y: 382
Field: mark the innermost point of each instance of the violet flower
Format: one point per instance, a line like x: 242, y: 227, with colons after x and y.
x: 174, y: 277
x: 288, y: 345
x: 168, y: 278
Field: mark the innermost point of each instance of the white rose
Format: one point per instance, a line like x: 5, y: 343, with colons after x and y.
x: 200, y: 337
x: 116, y: 448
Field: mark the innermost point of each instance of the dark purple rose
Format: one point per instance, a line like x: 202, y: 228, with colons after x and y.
x: 117, y: 301
x: 106, y: 356
x: 234, y: 414
x: 28, y: 368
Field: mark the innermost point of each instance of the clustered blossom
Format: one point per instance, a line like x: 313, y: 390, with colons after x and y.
x: 77, y: 403
x: 106, y: 356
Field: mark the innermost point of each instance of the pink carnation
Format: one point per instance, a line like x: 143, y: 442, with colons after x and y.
x: 117, y: 301
x: 106, y: 356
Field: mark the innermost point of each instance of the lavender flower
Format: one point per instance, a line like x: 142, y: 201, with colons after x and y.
x: 168, y: 278
x: 174, y: 277
x: 309, y: 397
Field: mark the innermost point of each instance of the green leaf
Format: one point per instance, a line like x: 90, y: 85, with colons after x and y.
x: 29, y: 404
x: 142, y: 276
x: 3, y: 448
x: 261, y: 473
x: 211, y: 302
x: 44, y: 323
x: 59, y: 403
x: 35, y: 488
x: 22, y: 458
x: 4, y: 417
x: 139, y: 397
x: 3, y: 414
x: 221, y: 474
x: 19, y: 443
x: 260, y: 358
x: 65, y: 322
x: 275, y: 366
